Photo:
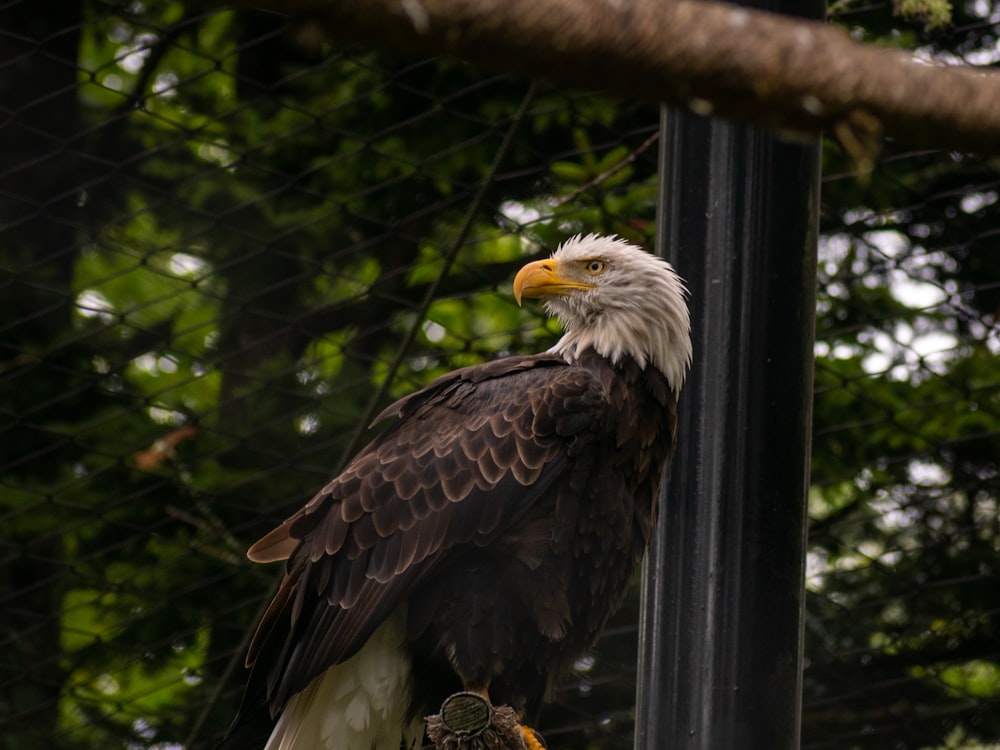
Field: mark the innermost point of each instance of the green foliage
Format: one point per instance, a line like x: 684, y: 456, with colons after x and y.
x: 933, y: 14
x: 903, y: 564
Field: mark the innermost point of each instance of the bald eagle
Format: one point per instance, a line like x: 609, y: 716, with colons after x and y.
x: 483, y: 540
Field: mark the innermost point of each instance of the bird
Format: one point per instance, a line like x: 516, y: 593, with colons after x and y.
x: 483, y: 539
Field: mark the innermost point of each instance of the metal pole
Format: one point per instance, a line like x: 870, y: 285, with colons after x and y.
x: 720, y: 655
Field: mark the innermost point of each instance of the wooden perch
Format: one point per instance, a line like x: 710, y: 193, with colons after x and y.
x: 711, y: 57
x: 469, y: 722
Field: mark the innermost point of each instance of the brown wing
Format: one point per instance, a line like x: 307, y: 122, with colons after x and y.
x: 471, y: 453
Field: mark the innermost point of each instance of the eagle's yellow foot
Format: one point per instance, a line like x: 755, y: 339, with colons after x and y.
x: 532, y: 740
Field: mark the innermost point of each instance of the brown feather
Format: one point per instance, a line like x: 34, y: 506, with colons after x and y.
x: 276, y: 546
x: 485, y: 468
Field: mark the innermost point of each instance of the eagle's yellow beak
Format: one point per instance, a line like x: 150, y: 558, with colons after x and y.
x: 546, y: 278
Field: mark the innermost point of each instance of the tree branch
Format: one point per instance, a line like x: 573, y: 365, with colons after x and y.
x: 708, y: 56
x: 469, y: 722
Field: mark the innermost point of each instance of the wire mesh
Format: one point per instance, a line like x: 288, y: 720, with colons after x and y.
x: 226, y: 244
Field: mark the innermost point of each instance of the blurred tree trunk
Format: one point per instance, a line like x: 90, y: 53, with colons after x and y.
x: 40, y: 190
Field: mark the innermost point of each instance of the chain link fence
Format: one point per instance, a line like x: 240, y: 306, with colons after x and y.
x: 902, y: 628
x: 226, y: 244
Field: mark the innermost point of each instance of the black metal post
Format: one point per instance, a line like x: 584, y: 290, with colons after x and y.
x: 720, y: 654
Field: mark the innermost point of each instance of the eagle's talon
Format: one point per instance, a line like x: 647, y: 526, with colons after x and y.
x: 532, y: 739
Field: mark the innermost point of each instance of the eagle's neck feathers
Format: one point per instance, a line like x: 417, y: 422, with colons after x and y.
x: 624, y: 335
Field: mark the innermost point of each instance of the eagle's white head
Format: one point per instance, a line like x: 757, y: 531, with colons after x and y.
x: 616, y: 298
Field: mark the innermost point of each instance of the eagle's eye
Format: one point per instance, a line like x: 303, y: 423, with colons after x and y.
x: 596, y: 266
